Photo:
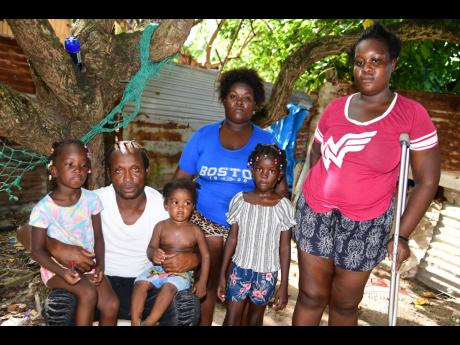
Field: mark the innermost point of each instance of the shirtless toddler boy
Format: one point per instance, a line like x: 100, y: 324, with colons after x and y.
x: 169, y: 236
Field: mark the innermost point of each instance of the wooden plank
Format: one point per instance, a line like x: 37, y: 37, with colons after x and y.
x: 450, y: 180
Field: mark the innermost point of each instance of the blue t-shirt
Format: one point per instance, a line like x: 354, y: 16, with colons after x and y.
x: 222, y: 172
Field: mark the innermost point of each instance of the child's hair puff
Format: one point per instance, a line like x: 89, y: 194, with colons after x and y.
x: 181, y: 183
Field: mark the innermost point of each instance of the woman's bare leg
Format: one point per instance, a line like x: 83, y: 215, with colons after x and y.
x: 216, y: 245
x: 346, y: 293
x: 315, y: 277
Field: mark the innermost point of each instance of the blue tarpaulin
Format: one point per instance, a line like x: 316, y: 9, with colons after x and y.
x: 285, y: 131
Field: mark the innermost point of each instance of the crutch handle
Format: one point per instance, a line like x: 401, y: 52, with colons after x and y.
x: 404, y: 139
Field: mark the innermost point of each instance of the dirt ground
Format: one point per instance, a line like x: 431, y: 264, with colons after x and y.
x: 413, y: 308
x: 22, y: 294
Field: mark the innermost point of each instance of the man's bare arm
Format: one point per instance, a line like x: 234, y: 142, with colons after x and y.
x: 181, y: 261
x: 65, y: 254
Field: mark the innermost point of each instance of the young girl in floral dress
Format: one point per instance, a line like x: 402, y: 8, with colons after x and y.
x: 259, y: 242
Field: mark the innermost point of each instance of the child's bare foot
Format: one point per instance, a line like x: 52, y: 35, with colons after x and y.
x: 148, y: 322
x: 136, y: 322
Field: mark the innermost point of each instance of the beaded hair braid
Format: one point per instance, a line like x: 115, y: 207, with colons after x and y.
x: 58, y: 148
x: 126, y: 147
x: 268, y: 151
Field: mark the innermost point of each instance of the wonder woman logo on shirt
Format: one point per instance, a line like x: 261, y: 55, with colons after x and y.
x: 350, y: 142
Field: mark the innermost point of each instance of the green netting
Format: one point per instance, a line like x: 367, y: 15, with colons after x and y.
x: 15, y: 162
x: 133, y: 90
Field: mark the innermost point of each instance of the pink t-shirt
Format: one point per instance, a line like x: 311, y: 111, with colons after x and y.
x: 359, y: 164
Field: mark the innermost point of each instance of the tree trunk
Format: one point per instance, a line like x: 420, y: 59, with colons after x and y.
x: 296, y: 64
x: 97, y: 152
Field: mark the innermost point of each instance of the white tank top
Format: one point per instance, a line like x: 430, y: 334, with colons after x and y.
x: 126, y: 245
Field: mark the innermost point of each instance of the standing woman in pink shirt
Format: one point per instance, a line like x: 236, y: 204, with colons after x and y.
x: 345, y: 212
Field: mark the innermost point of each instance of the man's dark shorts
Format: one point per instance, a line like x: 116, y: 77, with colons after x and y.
x: 184, y: 310
x: 356, y: 246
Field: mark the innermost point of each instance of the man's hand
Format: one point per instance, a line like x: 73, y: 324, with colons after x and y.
x: 403, y: 252
x: 67, y: 254
x: 71, y: 277
x: 180, y: 262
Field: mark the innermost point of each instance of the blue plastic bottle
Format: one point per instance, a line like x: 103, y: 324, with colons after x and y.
x: 72, y: 45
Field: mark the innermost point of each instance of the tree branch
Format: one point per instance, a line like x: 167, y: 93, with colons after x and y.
x: 248, y: 39
x: 22, y: 121
x: 96, y: 40
x: 197, y: 21
x: 49, y: 104
x: 82, y: 25
x: 211, y: 42
x: 172, y: 33
x: 231, y: 43
x: 166, y: 40
x: 37, y: 39
x: 296, y: 64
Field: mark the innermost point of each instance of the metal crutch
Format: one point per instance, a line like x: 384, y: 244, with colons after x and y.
x: 402, y: 192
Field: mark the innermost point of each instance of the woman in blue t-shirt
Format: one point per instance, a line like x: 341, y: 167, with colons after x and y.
x: 217, y: 154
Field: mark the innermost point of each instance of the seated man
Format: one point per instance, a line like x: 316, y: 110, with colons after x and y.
x: 131, y: 211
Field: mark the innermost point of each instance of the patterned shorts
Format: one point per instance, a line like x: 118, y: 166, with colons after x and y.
x: 208, y: 226
x: 157, y: 277
x: 356, y: 246
x: 243, y: 283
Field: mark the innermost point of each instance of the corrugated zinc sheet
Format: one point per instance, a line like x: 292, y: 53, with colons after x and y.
x: 440, y: 268
x: 175, y: 103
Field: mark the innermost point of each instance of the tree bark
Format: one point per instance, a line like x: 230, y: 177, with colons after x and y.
x: 23, y: 122
x: 296, y: 64
x: 97, y: 152
x: 53, y: 65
